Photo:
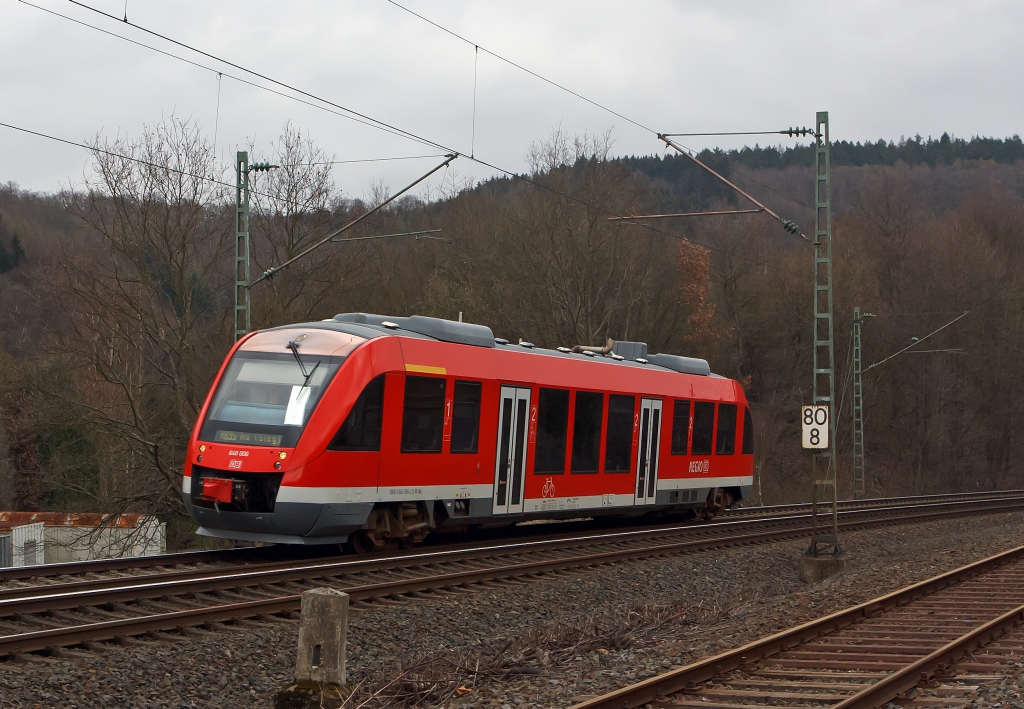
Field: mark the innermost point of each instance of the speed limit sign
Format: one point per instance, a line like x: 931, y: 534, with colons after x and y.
x: 815, y: 427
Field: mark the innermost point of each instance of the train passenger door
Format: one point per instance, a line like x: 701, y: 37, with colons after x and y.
x: 510, y: 461
x: 647, y: 452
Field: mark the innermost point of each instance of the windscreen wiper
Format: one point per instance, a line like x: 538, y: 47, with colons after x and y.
x: 294, y: 347
x: 310, y: 375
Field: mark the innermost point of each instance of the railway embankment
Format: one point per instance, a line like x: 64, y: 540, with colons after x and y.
x: 547, y: 642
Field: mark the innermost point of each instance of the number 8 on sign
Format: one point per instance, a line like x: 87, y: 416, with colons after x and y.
x: 815, y: 427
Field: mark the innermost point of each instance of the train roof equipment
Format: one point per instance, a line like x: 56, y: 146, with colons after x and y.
x: 623, y: 351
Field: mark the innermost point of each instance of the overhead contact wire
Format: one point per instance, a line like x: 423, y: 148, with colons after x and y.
x: 398, y: 131
x: 523, y: 68
x: 381, y: 125
x: 374, y: 121
x: 177, y: 171
x: 271, y: 272
x: 663, y: 136
x: 215, y: 71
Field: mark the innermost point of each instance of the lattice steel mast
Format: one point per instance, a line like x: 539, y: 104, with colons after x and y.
x: 859, y: 484
x: 823, y: 464
x: 243, y: 319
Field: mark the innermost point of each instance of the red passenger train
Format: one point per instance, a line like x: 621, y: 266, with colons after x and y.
x: 376, y: 431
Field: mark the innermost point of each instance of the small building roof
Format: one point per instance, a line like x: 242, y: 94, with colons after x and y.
x: 70, y: 519
x: 8, y: 526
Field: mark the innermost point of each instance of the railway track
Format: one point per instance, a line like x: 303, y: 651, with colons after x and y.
x: 947, y: 634
x: 47, y: 618
x: 209, y: 560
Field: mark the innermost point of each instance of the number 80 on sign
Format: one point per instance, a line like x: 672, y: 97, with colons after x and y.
x: 815, y: 427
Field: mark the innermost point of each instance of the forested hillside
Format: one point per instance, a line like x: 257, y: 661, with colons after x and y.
x: 115, y: 299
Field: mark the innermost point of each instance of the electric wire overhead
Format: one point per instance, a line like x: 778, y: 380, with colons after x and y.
x: 787, y: 224
x: 186, y: 173
x: 239, y: 79
x: 918, y: 341
x: 271, y: 272
x: 791, y: 132
x: 375, y: 123
x: 371, y: 121
x: 523, y: 68
x: 297, y: 204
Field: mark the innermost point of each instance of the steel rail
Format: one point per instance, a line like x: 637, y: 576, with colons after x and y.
x: 701, y: 671
x: 148, y: 623
x: 99, y: 566
x: 69, y: 595
x: 910, y: 676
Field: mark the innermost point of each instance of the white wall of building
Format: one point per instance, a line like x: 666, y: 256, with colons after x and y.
x: 27, y: 544
x: 80, y: 543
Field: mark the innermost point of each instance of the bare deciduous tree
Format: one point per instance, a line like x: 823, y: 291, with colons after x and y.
x: 142, y: 302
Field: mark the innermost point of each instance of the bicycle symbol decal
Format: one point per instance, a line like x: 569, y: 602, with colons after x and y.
x: 549, y: 488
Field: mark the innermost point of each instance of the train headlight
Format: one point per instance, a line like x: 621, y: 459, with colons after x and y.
x: 282, y: 455
x: 202, y: 449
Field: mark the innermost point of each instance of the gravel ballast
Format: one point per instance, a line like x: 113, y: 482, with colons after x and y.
x: 544, y: 643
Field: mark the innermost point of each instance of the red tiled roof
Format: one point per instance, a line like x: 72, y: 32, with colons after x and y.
x: 69, y: 519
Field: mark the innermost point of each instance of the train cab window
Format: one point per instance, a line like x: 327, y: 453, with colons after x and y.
x: 680, y: 426
x: 619, y: 437
x: 703, y: 428
x: 748, y: 432
x: 423, y: 419
x: 361, y: 430
x: 726, y: 441
x: 466, y: 417
x: 586, y: 432
x: 552, y: 426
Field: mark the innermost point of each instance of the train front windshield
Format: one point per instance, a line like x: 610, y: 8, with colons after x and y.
x: 266, y: 397
x: 270, y: 392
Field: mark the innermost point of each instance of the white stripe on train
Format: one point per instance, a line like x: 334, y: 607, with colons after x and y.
x: 326, y: 495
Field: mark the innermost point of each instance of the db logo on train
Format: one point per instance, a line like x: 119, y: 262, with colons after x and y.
x: 549, y: 488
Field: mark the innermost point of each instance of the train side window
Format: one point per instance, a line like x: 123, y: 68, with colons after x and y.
x: 703, y: 428
x: 552, y: 427
x: 726, y: 441
x: 680, y: 426
x: 423, y: 418
x: 618, y: 451
x: 748, y: 432
x: 466, y: 417
x: 362, y: 427
x: 586, y: 432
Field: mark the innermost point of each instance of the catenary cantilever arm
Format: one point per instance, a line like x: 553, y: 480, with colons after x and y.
x: 762, y: 207
x: 271, y: 272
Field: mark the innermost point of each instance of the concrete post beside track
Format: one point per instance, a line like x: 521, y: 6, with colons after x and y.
x: 322, y: 634
x: 320, y: 672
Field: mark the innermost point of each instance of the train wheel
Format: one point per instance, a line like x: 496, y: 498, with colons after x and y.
x: 711, y: 505
x: 718, y: 499
x: 392, y: 527
x: 360, y: 543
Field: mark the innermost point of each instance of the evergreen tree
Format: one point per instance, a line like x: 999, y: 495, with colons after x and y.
x: 17, y: 251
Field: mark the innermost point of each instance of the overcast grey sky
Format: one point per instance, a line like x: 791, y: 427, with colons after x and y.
x: 882, y: 70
